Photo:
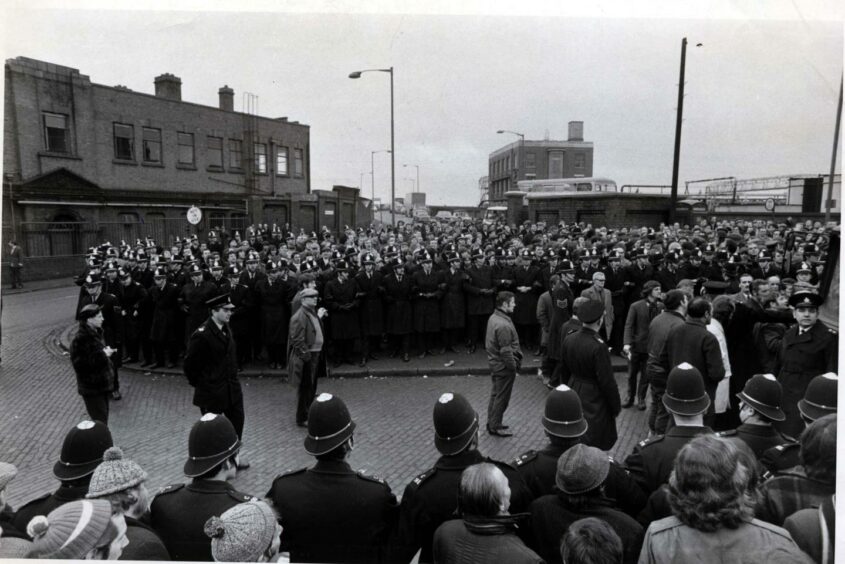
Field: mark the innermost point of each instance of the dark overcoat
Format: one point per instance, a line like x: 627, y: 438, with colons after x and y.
x: 163, y: 327
x: 371, y: 310
x: 585, y: 365
x: 526, y: 302
x: 341, y: 300
x: 94, y: 372
x: 453, y: 304
x: 561, y: 313
x: 397, y: 297
x: 426, y: 292
x: 211, y: 365
x: 274, y: 304
x: 480, y: 291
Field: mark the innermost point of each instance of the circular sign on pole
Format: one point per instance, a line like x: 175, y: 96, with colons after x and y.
x: 194, y: 215
x: 770, y: 204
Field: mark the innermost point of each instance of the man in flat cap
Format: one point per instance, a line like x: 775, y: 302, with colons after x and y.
x: 809, y: 348
x: 329, y: 512
x: 306, y: 360
x: 211, y: 365
x: 586, y: 368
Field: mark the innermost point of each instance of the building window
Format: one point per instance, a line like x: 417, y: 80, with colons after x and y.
x: 579, y: 160
x: 56, y: 133
x: 186, y: 148
x: 152, y: 145
x: 124, y: 142
x: 297, y: 163
x: 260, y: 158
x: 530, y: 160
x: 555, y: 164
x: 235, y: 153
x: 282, y: 161
x: 215, y: 151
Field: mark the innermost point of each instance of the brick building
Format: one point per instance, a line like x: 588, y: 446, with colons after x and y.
x: 538, y: 160
x: 104, y: 163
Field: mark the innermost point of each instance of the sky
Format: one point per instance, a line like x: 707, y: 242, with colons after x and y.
x: 761, y: 90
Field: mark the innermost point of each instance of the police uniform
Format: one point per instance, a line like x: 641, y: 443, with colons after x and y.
x: 803, y: 357
x: 780, y: 458
x: 538, y: 469
x: 585, y: 366
x: 652, y: 460
x: 330, y: 513
x: 178, y: 514
x: 759, y: 438
x: 431, y: 499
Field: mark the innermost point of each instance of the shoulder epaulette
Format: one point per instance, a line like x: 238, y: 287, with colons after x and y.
x: 500, y: 463
x: 729, y: 433
x: 287, y: 473
x: 241, y: 497
x: 424, y: 476
x: 371, y: 477
x: 524, y: 458
x: 169, y: 489
x: 650, y: 441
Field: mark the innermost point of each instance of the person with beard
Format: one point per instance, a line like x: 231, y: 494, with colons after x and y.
x: 371, y: 311
x: 341, y: 298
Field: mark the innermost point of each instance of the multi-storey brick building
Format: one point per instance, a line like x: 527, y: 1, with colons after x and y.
x: 82, y: 156
x: 538, y: 160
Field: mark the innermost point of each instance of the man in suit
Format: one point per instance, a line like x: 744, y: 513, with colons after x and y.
x: 597, y: 292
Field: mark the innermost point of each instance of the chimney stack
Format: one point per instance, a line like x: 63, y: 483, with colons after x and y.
x: 227, y: 98
x: 169, y: 87
x: 576, y: 131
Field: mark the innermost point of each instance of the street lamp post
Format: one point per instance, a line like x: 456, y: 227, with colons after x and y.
x: 418, y: 174
x: 521, y: 150
x: 357, y: 74
x: 373, y: 171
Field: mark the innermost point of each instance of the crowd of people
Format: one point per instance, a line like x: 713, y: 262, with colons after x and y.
x: 720, y: 321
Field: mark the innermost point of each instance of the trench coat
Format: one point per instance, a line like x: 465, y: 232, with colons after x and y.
x: 453, y: 304
x: 342, y: 302
x: 526, y: 303
x: 397, y: 297
x: 211, y: 366
x: 427, y: 293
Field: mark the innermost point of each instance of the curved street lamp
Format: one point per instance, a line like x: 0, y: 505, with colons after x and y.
x: 357, y: 74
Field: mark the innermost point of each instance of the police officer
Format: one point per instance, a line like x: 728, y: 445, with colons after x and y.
x: 192, y: 298
x: 564, y: 425
x: 274, y: 298
x: 586, y: 367
x: 480, y: 291
x: 82, y: 452
x: 809, y: 348
x: 432, y: 497
x: 371, y: 311
x: 211, y: 366
x: 341, y: 299
x: 163, y: 325
x: 819, y: 400
x: 425, y: 289
x: 178, y: 512
x: 132, y: 301
x: 759, y: 408
x: 329, y: 512
x: 397, y: 297
x: 652, y: 460
x: 250, y: 278
x: 241, y: 298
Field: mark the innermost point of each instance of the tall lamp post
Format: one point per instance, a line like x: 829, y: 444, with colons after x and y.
x: 673, y: 197
x: 357, y: 74
x: 373, y: 171
x: 418, y: 175
x: 521, y: 149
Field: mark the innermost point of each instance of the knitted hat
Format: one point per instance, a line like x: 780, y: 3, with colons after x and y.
x: 581, y: 469
x: 114, y: 475
x: 71, y: 530
x: 7, y: 474
x: 13, y: 547
x: 242, y: 533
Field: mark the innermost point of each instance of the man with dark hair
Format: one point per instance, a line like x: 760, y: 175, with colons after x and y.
x: 805, y: 486
x: 659, y: 329
x: 431, y: 498
x: 694, y: 344
x: 591, y: 541
x: 329, y: 512
x: 505, y: 358
x: 487, y: 531
x: 581, y: 474
x: 178, y: 512
x: 211, y: 366
x: 586, y: 368
x: 640, y: 316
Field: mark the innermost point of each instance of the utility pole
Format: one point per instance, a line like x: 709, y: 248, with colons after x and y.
x: 673, y: 197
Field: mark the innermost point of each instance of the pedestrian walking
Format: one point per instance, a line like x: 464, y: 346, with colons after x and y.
x: 504, y: 356
x: 15, y: 264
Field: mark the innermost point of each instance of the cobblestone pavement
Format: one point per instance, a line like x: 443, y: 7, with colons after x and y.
x: 39, y: 404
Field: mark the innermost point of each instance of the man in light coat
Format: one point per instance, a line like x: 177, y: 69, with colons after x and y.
x: 305, y: 352
x: 598, y: 293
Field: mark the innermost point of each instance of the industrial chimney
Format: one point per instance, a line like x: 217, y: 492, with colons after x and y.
x: 227, y: 98
x: 576, y: 131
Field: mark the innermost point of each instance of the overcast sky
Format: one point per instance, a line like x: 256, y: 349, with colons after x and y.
x: 761, y: 93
